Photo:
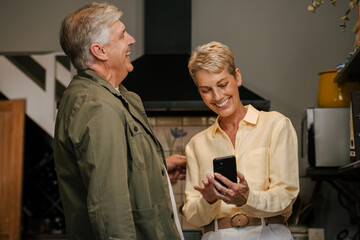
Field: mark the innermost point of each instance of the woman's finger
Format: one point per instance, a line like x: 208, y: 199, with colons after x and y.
x: 220, y: 188
x: 225, y: 180
x: 241, y: 177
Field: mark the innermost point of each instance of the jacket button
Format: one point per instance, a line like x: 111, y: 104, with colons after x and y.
x: 172, y: 215
x: 136, y: 128
x: 163, y: 172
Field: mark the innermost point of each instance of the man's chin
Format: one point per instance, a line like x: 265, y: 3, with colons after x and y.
x: 130, y: 69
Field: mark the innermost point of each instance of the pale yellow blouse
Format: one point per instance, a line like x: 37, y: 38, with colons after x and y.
x: 266, y: 153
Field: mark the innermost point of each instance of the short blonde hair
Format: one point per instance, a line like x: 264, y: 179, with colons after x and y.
x: 214, y: 57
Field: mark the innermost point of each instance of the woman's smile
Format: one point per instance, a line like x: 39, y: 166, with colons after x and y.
x: 222, y: 104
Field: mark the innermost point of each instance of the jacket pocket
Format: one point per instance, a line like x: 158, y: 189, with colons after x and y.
x: 148, y: 223
x: 139, y: 145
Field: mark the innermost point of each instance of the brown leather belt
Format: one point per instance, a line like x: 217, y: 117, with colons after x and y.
x: 242, y: 220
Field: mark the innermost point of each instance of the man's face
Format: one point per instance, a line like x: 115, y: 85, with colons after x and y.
x: 220, y: 91
x: 118, y: 50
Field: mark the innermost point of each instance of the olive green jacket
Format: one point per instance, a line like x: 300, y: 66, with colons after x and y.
x: 109, y: 164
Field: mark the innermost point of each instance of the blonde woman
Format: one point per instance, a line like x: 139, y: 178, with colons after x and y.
x: 265, y: 147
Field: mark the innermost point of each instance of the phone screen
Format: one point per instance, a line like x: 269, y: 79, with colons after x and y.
x: 226, y: 166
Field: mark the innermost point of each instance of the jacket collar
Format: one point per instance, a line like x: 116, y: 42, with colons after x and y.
x: 94, y: 76
x: 121, y: 92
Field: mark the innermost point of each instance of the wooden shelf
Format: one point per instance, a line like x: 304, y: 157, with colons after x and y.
x: 351, y: 71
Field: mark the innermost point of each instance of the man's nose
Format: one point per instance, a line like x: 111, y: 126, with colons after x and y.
x: 131, y: 40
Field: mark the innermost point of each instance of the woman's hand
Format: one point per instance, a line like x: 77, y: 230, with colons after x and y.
x: 209, y: 191
x: 236, y: 193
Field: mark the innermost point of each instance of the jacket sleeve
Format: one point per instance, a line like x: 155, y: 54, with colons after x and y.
x: 283, y: 177
x: 102, y: 148
x: 198, y: 212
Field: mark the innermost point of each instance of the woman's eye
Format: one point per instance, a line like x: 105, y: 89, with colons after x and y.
x: 223, y: 85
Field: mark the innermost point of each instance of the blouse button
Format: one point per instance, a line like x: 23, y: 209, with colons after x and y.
x: 136, y: 128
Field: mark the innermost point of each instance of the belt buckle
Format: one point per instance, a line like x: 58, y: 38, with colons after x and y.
x: 239, y: 220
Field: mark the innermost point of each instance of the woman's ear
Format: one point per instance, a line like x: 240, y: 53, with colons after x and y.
x: 238, y: 77
x: 98, y: 51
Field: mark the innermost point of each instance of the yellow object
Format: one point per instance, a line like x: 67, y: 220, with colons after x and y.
x: 332, y: 94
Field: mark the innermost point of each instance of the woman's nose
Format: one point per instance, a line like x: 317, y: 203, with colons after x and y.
x: 216, y: 95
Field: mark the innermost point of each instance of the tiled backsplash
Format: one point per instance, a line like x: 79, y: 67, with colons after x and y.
x: 174, y: 133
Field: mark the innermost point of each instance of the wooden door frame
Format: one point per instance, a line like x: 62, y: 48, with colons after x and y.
x: 12, y: 122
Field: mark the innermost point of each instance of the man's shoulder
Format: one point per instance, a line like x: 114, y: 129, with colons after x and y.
x: 84, y: 89
x: 80, y: 85
x: 88, y: 97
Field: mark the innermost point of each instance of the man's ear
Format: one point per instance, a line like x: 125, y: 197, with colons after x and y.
x: 98, y: 51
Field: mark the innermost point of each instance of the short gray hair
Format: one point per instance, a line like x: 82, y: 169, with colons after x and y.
x: 87, y: 25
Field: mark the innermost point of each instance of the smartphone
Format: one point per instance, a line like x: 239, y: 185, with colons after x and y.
x: 226, y: 166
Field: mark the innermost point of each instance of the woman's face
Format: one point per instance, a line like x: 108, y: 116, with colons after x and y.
x: 220, y: 91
